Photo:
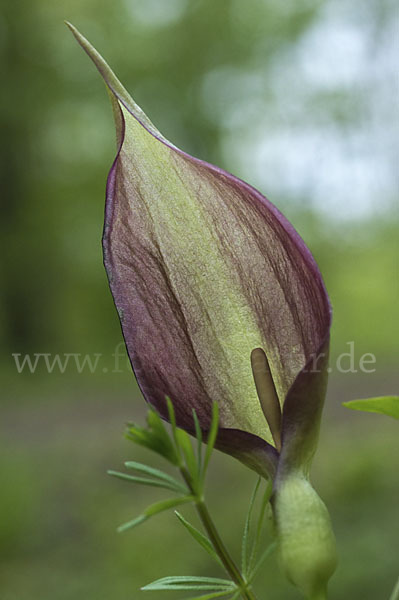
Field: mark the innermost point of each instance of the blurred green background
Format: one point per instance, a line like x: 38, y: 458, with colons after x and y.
x: 296, y: 97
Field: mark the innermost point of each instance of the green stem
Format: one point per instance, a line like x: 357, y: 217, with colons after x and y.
x: 222, y: 552
x: 217, y: 542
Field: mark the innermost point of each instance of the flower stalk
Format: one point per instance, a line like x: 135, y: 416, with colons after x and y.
x: 222, y: 551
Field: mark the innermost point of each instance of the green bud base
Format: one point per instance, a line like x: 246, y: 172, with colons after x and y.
x: 306, y: 542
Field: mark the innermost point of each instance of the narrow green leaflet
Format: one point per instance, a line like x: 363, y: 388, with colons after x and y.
x: 385, y: 405
x: 172, y: 420
x: 154, y: 437
x: 136, y: 466
x: 146, y: 481
x: 186, y: 447
x: 156, y: 424
x: 245, y: 555
x: 199, y: 537
x: 186, y: 582
x: 269, y: 550
x: 214, y: 595
x: 154, y: 509
x: 213, y: 431
x: 198, y: 434
x: 265, y: 500
x: 133, y: 523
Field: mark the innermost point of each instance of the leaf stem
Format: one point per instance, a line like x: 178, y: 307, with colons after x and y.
x: 218, y: 544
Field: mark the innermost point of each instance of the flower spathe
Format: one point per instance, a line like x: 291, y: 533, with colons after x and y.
x: 204, y: 269
x: 221, y: 301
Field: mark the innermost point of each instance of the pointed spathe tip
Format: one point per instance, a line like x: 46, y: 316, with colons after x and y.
x: 115, y: 86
